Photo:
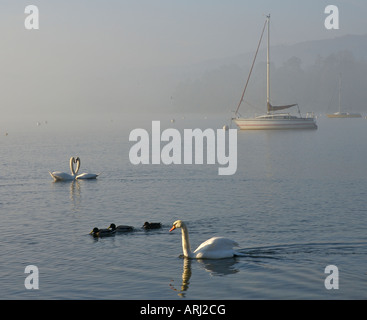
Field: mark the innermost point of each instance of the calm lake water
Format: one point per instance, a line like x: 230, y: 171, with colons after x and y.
x: 297, y: 203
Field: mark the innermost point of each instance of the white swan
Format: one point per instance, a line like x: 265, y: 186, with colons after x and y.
x: 63, y: 176
x: 214, y: 248
x: 84, y: 175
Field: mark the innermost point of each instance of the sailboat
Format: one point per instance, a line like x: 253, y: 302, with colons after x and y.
x: 340, y: 114
x: 272, y: 120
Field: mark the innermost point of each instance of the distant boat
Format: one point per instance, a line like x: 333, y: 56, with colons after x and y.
x: 344, y: 115
x: 270, y: 120
x: 340, y: 114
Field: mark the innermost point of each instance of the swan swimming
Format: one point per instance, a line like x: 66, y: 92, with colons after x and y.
x: 214, y: 248
x: 84, y: 175
x: 63, y: 176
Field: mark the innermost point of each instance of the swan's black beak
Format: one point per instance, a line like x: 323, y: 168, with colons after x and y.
x: 173, y: 228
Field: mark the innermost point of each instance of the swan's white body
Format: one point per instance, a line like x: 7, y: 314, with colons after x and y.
x: 63, y: 176
x: 87, y: 176
x: 214, y: 248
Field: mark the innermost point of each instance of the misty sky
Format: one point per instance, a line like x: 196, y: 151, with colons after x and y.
x: 117, y: 56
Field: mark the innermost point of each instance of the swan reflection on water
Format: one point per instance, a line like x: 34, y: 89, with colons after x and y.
x: 186, y: 275
x: 75, y: 190
x: 220, y: 267
x: 216, y: 255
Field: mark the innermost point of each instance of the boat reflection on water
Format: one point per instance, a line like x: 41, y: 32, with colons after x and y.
x: 220, y: 267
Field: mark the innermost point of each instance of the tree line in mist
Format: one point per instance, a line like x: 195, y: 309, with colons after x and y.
x: 314, y: 87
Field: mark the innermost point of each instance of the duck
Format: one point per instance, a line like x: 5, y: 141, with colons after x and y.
x: 121, y: 228
x: 152, y: 225
x: 213, y: 248
x: 102, y: 232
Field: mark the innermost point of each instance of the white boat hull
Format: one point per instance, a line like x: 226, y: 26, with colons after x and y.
x: 272, y: 121
x: 344, y: 115
x: 275, y: 124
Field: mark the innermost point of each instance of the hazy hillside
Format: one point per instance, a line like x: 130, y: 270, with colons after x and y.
x: 305, y: 73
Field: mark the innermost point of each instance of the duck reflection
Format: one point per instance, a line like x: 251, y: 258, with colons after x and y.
x: 220, y: 267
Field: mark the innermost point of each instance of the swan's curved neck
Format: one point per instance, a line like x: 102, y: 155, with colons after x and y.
x: 186, y: 242
x: 72, y: 160
x: 77, y: 160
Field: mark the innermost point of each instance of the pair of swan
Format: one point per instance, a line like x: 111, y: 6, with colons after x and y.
x: 214, y: 248
x: 63, y: 176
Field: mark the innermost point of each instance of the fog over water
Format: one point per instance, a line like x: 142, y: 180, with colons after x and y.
x: 96, y: 70
x: 89, y: 58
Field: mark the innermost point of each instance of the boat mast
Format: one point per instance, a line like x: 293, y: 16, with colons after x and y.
x: 268, y: 67
x: 252, y: 66
x: 340, y: 88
